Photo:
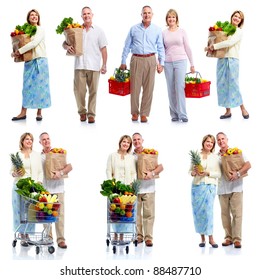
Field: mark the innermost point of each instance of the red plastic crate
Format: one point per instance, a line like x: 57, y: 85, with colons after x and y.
x: 197, y: 90
x: 119, y: 88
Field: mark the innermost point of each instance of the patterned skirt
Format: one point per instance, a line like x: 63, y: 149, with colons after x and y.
x: 36, y: 89
x: 17, y: 225
x: 229, y: 95
x: 202, y: 198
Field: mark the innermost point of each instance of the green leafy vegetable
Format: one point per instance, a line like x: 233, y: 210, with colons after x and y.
x: 112, y: 186
x: 27, y: 29
x: 26, y: 186
x: 65, y: 22
x: 227, y: 27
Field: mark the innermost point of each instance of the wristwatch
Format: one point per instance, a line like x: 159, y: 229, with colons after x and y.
x: 153, y: 173
x: 238, y: 174
x: 61, y: 173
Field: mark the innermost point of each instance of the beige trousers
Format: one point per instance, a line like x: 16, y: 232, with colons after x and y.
x: 231, y: 215
x: 142, y: 75
x: 59, y: 225
x: 84, y: 79
x: 145, y: 215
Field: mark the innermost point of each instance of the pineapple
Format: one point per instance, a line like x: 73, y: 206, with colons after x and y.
x: 135, y: 185
x: 17, y: 163
x: 195, y: 160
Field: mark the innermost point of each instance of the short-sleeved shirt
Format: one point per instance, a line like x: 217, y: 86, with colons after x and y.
x: 93, y: 41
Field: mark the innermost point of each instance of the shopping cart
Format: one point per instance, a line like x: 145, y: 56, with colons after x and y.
x: 35, y: 212
x: 121, y: 225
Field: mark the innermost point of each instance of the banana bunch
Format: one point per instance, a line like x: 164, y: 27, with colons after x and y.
x: 49, y: 198
x: 128, y: 199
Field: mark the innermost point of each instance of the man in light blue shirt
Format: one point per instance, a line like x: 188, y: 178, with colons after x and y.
x: 145, y: 42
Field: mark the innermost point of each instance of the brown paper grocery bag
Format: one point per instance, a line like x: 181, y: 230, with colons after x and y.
x: 232, y: 162
x: 216, y: 37
x: 146, y: 162
x: 54, y: 162
x: 19, y: 41
x: 73, y: 37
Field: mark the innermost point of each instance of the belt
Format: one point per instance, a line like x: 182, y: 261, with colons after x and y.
x: 144, y: 55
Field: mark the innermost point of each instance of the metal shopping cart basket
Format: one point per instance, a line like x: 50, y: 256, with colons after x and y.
x: 35, y: 212
x: 121, y: 224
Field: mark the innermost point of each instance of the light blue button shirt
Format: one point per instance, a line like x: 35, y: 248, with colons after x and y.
x: 141, y: 40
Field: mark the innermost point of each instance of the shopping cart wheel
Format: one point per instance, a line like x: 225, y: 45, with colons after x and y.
x: 114, y: 249
x: 136, y: 243
x: 37, y: 250
x: 107, y: 241
x: 127, y: 249
x: 51, y: 249
x: 14, y: 243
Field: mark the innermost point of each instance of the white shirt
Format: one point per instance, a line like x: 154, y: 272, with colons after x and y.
x: 93, y: 41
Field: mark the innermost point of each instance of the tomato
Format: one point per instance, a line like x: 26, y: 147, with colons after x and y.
x: 129, y: 207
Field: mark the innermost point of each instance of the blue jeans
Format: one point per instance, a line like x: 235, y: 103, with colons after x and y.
x: 175, y: 78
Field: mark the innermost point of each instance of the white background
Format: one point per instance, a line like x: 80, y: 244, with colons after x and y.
x: 175, y: 241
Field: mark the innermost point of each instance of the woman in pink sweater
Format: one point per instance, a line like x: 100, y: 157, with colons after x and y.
x: 177, y: 50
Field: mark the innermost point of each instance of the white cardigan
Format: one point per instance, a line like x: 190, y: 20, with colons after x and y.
x: 211, y: 165
x: 36, y: 170
x: 123, y: 170
x: 37, y: 44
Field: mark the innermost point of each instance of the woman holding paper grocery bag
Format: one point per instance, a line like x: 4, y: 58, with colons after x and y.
x: 229, y: 95
x: 205, y: 169
x: 32, y: 167
x: 36, y: 90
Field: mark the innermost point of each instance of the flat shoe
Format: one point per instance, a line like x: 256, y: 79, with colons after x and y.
x: 214, y: 245
x: 19, y: 118
x: 144, y: 119
x: 245, y: 116
x: 225, y: 116
x: 184, y: 120
x: 237, y: 244
x: 227, y: 242
x: 149, y: 243
x: 62, y: 245
x: 202, y: 244
x: 38, y: 118
x: 134, y: 117
x: 140, y: 240
x: 91, y: 119
x: 175, y: 119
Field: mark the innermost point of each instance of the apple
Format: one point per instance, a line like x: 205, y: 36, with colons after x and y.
x: 116, y: 200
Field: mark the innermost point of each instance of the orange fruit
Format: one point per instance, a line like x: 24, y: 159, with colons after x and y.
x: 55, y: 213
x: 122, y: 206
x: 128, y: 214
